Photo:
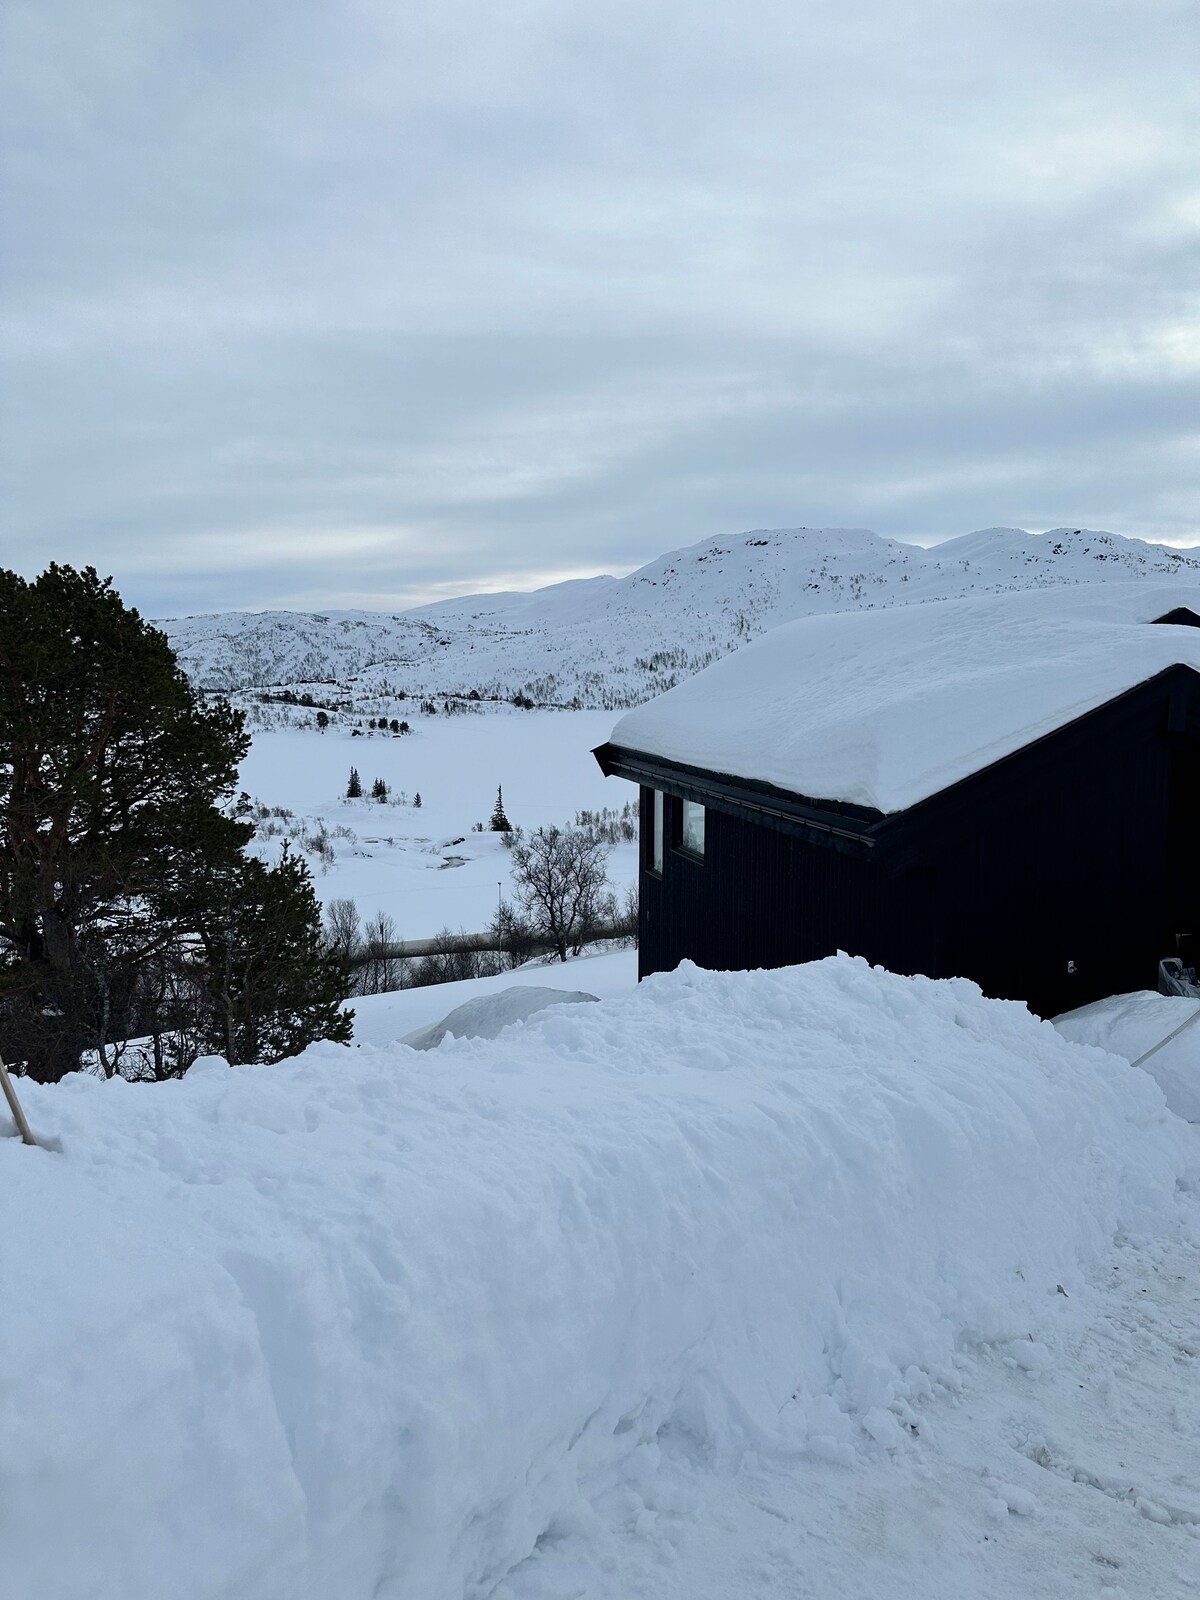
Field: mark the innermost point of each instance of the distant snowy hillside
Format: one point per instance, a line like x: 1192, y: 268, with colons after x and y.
x: 614, y: 642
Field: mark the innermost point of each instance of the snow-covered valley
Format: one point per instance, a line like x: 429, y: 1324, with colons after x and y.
x: 583, y: 648
x: 425, y: 866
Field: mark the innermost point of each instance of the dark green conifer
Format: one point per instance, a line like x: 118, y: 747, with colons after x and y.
x: 499, y: 822
x: 273, y: 982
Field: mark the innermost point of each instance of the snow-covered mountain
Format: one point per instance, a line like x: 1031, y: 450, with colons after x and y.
x: 614, y: 642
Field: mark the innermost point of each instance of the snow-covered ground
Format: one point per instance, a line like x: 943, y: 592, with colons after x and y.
x: 381, y: 1019
x: 810, y: 1282
x: 425, y: 867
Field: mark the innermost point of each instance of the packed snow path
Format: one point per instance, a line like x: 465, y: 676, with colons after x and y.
x: 815, y: 1281
x: 1076, y: 1483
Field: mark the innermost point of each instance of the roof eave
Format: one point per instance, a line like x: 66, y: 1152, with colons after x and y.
x: 726, y: 792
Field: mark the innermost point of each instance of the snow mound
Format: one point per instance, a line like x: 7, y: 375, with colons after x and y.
x: 1130, y: 1024
x: 375, y: 1323
x: 488, y: 1015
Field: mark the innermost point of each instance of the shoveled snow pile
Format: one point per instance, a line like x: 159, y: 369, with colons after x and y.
x: 1131, y: 1025
x: 487, y: 1016
x: 378, y: 1322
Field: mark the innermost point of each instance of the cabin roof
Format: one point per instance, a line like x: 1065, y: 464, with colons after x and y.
x: 885, y: 708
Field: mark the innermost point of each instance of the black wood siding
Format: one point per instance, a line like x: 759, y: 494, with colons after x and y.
x: 1057, y: 876
x: 759, y: 898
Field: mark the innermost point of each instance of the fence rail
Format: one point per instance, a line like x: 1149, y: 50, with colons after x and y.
x: 460, y: 943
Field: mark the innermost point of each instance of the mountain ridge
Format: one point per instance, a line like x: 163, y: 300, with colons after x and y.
x: 613, y: 642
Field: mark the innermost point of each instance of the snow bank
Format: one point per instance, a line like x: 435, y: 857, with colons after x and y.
x: 388, y: 1018
x: 1131, y: 1024
x: 486, y: 1016
x: 375, y: 1322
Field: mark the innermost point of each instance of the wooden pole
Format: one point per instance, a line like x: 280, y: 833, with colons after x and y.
x: 14, y: 1105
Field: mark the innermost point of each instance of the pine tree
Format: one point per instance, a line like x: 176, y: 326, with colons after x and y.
x: 354, y: 787
x: 271, y: 980
x: 417, y: 800
x: 499, y: 822
x: 379, y: 790
x: 116, y: 783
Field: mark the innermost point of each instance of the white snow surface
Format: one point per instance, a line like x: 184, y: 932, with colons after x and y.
x: 888, y: 707
x: 427, y: 868
x: 614, y: 642
x: 486, y: 1320
x: 1131, y: 1024
x: 487, y: 1016
x: 389, y: 1018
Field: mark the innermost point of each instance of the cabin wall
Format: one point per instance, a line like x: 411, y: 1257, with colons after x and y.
x: 1052, y: 887
x: 759, y: 897
x: 1056, y: 896
x: 1056, y: 877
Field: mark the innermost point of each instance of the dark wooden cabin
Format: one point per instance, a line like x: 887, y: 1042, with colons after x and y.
x: 1056, y: 875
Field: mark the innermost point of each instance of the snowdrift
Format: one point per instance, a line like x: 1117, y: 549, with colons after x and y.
x: 1130, y: 1025
x: 488, y: 1015
x: 375, y: 1322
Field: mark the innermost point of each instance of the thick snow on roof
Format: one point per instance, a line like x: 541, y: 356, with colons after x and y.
x: 885, y: 708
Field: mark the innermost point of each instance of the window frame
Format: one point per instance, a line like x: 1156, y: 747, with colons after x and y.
x: 685, y: 849
x: 656, y: 835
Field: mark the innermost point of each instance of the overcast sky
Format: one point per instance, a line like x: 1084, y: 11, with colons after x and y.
x: 364, y: 302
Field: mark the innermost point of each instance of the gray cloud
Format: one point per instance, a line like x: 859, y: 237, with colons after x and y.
x: 357, y: 303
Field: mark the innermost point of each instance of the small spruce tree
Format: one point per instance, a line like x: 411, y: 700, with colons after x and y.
x: 379, y: 790
x: 499, y: 822
x: 417, y: 800
x: 271, y: 980
x: 354, y: 787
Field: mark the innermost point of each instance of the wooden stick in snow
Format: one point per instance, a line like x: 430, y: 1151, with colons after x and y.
x: 14, y: 1105
x: 1174, y: 1034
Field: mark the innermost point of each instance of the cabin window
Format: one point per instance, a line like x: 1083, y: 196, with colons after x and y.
x: 656, y: 837
x: 691, y: 828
